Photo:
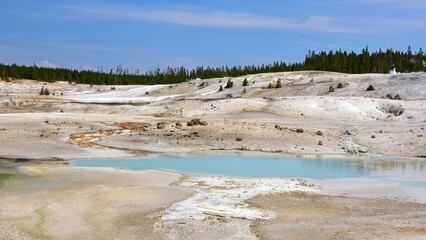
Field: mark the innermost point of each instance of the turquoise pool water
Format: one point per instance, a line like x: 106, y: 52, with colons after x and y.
x: 238, y: 165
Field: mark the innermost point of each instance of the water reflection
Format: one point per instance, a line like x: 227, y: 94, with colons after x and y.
x: 409, y: 165
x: 405, y: 172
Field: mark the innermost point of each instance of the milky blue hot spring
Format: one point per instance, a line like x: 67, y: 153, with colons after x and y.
x: 238, y: 165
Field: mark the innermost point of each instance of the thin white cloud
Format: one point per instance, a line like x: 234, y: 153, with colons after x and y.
x: 85, y: 47
x: 391, y: 25
x: 46, y: 64
x: 398, y: 4
x: 9, y: 36
x: 8, y: 48
x: 97, y: 47
x: 223, y: 19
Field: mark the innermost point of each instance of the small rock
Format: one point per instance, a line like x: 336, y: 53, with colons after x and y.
x: 381, y: 131
x: 161, y: 125
x: 299, y: 130
x: 239, y: 139
x: 389, y: 96
x: 397, y: 97
x: 320, y: 143
x: 196, y: 121
x: 319, y: 133
x: 373, y: 136
x: 347, y: 132
x: 362, y: 150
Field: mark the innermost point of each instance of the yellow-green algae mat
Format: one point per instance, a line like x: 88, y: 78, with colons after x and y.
x: 39, y: 229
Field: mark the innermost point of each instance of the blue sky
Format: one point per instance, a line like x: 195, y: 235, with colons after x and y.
x: 146, y: 34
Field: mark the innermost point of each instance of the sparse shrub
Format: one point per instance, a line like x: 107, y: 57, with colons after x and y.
x: 340, y: 85
x: 220, y: 88
x: 244, y: 91
x: 370, y: 88
x: 245, y: 82
x: 331, y: 89
x: 229, y: 84
x: 44, y: 91
x: 278, y: 84
x: 112, y: 88
x: 270, y: 85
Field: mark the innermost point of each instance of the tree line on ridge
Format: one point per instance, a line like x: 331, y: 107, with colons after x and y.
x: 335, y: 61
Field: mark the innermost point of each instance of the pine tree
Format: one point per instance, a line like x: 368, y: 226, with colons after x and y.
x: 14, y: 71
x: 278, y: 84
x: 229, y: 84
x: 3, y: 74
x: 245, y: 82
x: 220, y: 88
